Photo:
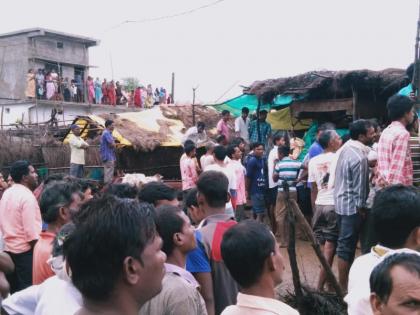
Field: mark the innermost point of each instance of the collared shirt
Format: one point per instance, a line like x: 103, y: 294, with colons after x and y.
x: 358, y: 295
x: 288, y: 170
x: 351, y: 187
x: 188, y: 173
x: 394, y: 156
x: 41, y: 270
x: 256, y: 305
x: 223, y: 128
x: 77, y: 152
x: 179, y: 295
x: 415, y: 155
x: 20, y: 218
x: 265, y: 132
x: 107, y: 152
x: 241, y: 126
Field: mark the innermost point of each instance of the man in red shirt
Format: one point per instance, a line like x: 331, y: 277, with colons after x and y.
x: 59, y: 202
x: 20, y: 223
x: 394, y: 158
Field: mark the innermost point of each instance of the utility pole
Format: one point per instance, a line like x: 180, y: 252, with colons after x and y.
x: 173, y: 88
x: 193, y: 105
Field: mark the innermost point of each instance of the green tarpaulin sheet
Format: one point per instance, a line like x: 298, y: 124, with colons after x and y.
x: 236, y: 104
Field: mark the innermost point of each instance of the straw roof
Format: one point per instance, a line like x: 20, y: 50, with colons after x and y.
x: 160, y: 126
x: 332, y: 84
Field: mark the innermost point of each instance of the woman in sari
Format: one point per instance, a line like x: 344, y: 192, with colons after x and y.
x: 98, y: 91
x: 91, y: 89
x: 50, y: 86
x: 30, y: 84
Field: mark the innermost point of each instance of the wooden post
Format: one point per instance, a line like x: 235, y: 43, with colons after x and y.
x: 354, y: 103
x: 315, y: 245
x: 291, y: 249
x: 173, y: 88
x: 258, y: 120
x: 2, y: 112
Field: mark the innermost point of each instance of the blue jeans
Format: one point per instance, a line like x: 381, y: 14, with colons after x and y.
x: 77, y: 170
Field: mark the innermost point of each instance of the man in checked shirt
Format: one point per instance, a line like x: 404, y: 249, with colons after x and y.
x: 395, y: 165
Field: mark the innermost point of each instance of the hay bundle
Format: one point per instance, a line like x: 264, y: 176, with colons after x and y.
x: 317, y: 303
x: 206, y: 114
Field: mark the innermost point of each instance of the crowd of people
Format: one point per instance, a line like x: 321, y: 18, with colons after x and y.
x: 49, y: 85
x: 215, y: 247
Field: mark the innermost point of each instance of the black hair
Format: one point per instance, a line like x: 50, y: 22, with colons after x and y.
x: 325, y: 138
x: 231, y: 150
x: 220, y: 138
x: 398, y: 106
x: 168, y: 222
x: 112, y: 229
x: 263, y: 112
x: 201, y: 124
x: 54, y: 196
x: 279, y: 135
x: 245, y: 110
x: 188, y: 142
x: 325, y: 126
x: 283, y: 150
x: 345, y: 138
x: 54, y: 177
x: 191, y: 198
x: 154, y: 191
x: 108, y: 123
x: 122, y: 191
x: 225, y: 112
x: 188, y: 148
x: 214, y: 186
x: 396, y: 214
x: 85, y: 184
x: 256, y: 144
x: 358, y: 128
x: 245, y: 248
x: 380, y: 279
x: 18, y: 170
x: 237, y: 141
x: 219, y: 153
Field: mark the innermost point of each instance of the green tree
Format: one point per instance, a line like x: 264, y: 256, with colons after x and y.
x: 130, y: 83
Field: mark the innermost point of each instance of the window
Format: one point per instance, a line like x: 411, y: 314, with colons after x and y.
x: 60, y: 45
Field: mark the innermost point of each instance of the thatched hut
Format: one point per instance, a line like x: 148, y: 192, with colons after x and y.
x: 358, y: 93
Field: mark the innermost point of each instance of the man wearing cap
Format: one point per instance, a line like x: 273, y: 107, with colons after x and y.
x: 77, y: 157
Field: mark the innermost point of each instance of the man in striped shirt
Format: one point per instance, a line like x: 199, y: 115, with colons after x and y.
x: 414, y: 143
x: 285, y: 170
x: 351, y: 190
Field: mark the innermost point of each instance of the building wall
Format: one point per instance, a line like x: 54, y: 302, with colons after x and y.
x: 71, y: 53
x: 13, y: 67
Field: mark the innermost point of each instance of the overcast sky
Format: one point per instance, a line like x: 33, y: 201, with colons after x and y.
x: 232, y: 43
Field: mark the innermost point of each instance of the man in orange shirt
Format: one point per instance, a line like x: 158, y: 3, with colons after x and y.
x: 59, y: 202
x: 20, y: 223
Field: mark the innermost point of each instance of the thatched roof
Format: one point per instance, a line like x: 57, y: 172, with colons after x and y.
x: 332, y: 84
x: 160, y: 126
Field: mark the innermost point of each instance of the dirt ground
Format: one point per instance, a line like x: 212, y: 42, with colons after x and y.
x: 308, y: 265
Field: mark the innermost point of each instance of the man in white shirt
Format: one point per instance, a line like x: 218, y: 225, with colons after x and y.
x: 252, y: 256
x: 396, y: 218
x: 324, y: 221
x: 220, y: 166
x: 78, y: 147
x: 197, y: 134
x: 242, y: 124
